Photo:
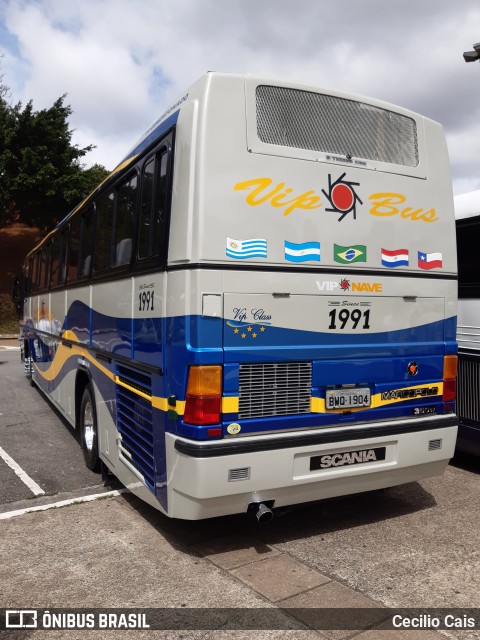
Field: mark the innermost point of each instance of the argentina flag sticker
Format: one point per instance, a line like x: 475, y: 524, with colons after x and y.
x: 301, y: 252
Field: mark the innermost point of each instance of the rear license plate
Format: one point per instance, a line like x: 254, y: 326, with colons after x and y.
x: 347, y: 398
x: 346, y: 458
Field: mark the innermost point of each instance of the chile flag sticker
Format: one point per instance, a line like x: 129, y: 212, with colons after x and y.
x: 429, y: 260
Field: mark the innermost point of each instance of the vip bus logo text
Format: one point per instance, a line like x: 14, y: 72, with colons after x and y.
x: 341, y: 198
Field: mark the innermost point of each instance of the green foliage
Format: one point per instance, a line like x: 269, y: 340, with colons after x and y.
x: 41, y: 177
x: 8, y: 316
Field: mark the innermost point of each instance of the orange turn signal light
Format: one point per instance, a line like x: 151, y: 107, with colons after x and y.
x: 450, y: 367
x: 204, y: 381
x: 204, y: 397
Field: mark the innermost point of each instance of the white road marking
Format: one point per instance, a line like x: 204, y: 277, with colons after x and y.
x: 31, y: 484
x: 61, y: 503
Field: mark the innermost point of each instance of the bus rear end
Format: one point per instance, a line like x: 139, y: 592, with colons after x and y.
x: 311, y: 296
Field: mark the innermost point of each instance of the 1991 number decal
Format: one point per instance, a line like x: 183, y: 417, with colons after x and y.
x: 146, y: 300
x: 346, y: 319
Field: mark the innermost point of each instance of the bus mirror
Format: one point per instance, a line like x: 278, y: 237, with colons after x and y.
x: 16, y: 289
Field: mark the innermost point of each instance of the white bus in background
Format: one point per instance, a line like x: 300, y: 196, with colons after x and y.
x: 467, y: 214
x: 258, y: 307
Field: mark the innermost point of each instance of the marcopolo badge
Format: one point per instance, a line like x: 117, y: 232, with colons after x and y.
x: 234, y: 428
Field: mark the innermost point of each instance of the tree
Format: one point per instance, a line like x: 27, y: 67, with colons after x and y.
x: 41, y: 177
x: 4, y: 90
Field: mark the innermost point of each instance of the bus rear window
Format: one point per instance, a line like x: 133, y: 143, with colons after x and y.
x: 319, y: 122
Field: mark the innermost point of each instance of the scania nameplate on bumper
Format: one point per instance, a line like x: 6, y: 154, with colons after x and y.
x: 344, y: 458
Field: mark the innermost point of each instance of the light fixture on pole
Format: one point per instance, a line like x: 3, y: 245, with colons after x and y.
x: 471, y: 56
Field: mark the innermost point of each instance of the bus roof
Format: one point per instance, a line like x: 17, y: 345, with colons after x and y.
x: 467, y: 205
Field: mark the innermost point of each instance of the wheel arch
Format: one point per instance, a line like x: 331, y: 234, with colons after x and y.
x: 82, y: 379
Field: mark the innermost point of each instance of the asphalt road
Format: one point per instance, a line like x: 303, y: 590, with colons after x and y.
x: 410, y: 546
x: 34, y: 435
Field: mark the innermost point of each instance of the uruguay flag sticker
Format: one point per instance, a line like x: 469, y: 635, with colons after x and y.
x: 396, y: 258
x: 429, y: 260
x: 243, y: 249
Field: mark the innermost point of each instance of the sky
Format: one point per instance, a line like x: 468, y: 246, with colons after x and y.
x: 122, y: 63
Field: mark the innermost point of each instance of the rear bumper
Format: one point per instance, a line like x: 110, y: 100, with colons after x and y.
x: 223, y: 477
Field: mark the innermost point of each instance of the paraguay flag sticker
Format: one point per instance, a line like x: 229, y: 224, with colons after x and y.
x: 429, y: 260
x: 395, y: 258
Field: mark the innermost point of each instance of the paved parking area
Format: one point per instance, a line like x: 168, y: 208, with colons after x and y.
x: 409, y: 546
x: 119, y: 553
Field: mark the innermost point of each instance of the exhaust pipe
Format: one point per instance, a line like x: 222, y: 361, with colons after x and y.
x: 262, y: 512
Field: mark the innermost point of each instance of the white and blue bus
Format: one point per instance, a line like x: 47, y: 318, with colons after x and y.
x: 258, y: 307
x: 467, y: 214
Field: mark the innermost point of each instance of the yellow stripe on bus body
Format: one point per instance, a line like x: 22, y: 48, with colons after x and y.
x: 63, y: 354
x: 317, y: 405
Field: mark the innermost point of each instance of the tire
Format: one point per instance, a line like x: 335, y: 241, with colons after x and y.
x: 28, y: 364
x: 89, y: 429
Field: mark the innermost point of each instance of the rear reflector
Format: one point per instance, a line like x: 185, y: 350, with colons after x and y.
x: 450, y: 369
x: 202, y: 410
x: 449, y: 390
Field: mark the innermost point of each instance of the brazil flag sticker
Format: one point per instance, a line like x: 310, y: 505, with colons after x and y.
x: 352, y: 253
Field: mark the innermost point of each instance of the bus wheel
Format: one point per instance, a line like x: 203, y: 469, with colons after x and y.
x: 30, y: 372
x: 89, y: 429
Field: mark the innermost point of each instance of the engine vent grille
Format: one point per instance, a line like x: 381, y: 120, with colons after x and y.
x: 234, y: 475
x: 319, y: 122
x: 468, y: 397
x: 135, y: 423
x: 435, y: 445
x: 274, y: 389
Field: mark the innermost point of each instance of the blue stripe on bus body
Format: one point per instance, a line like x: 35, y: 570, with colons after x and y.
x: 200, y: 339
x: 106, y: 389
x: 318, y: 420
x: 154, y: 135
x: 197, y: 340
x: 325, y: 373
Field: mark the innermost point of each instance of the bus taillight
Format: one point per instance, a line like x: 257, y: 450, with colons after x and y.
x: 204, y: 395
x: 450, y: 368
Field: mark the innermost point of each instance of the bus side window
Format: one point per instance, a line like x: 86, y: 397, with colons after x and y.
x: 103, y: 235
x: 153, y: 206
x: 160, y: 209
x: 33, y: 270
x: 54, y: 260
x: 86, y: 246
x: 144, y: 236
x: 124, y: 221
x: 74, y: 247
x: 62, y: 273
x: 468, y: 261
x: 44, y: 273
x: 27, y: 283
